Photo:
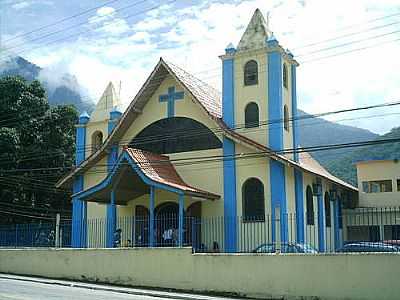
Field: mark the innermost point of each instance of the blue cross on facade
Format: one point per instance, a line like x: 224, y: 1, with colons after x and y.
x: 170, y: 98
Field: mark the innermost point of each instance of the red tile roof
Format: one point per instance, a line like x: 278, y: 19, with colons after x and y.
x: 160, y: 169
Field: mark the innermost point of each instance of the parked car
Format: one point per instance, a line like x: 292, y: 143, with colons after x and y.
x: 285, y: 248
x: 393, y: 242
x: 368, y: 247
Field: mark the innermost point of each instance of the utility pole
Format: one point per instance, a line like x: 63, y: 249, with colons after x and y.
x: 57, y: 240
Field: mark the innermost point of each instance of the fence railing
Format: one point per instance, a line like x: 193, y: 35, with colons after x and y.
x: 353, y: 228
x: 35, y: 235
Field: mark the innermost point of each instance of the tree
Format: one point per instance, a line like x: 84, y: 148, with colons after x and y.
x: 36, y: 147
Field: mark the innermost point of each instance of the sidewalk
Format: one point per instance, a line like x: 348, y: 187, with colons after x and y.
x: 117, y: 289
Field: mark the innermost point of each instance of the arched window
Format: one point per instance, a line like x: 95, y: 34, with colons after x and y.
x: 97, y: 140
x: 251, y: 115
x: 285, y: 76
x: 310, y: 206
x: 253, y: 200
x: 327, y: 210
x: 251, y: 73
x: 286, y: 117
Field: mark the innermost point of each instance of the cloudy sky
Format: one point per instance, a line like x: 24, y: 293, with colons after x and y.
x: 348, y: 50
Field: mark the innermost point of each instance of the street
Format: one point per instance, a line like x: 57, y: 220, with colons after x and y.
x: 17, y: 289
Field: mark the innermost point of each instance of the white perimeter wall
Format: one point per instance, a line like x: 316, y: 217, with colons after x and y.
x: 330, y: 276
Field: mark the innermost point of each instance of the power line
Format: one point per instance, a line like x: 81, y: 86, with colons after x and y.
x: 74, y: 35
x: 76, y: 25
x: 217, y: 130
x: 60, y: 21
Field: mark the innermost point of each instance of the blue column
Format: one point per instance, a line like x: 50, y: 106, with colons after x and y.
x: 78, y: 206
x: 151, y: 219
x: 299, y: 198
x: 295, y: 122
x: 111, y: 210
x: 228, y: 92
x: 275, y: 102
x: 278, y: 199
x: 336, y: 208
x: 111, y: 220
x: 228, y: 115
x: 230, y: 203
x: 321, y: 220
x: 180, y: 226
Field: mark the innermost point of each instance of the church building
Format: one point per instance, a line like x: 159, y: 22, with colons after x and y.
x: 181, y: 149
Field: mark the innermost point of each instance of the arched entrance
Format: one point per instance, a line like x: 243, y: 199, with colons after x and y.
x: 141, y: 226
x: 193, y: 225
x: 166, y: 223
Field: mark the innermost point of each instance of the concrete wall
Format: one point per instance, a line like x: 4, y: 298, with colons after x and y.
x: 346, y: 276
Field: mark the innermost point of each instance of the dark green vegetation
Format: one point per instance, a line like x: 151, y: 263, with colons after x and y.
x: 33, y: 136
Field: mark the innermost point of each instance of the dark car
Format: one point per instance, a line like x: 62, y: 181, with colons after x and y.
x: 285, y: 248
x: 368, y: 247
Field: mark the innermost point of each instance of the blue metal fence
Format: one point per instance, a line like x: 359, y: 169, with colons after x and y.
x: 379, y: 227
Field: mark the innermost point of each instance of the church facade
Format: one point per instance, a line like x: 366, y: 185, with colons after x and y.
x: 181, y: 148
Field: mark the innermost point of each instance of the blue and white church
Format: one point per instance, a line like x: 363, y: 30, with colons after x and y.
x: 185, y: 152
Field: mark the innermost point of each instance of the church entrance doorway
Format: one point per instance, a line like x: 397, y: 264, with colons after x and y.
x: 166, y: 224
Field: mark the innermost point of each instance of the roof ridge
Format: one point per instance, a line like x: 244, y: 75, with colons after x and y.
x: 191, y: 75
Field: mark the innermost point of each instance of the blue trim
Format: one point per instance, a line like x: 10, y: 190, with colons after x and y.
x: 170, y: 98
x: 78, y: 215
x: 230, y: 203
x: 80, y: 144
x: 321, y: 222
x: 111, y: 221
x: 299, y: 196
x: 275, y: 102
x: 151, y: 217
x: 132, y: 163
x: 336, y: 207
x: 295, y: 122
x: 180, y: 226
x: 228, y: 92
x: 278, y: 199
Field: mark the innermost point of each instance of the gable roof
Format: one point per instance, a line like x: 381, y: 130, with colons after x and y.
x: 209, y: 99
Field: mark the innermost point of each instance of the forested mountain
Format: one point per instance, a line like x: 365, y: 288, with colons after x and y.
x: 60, y: 88
x: 345, y: 168
x: 320, y: 132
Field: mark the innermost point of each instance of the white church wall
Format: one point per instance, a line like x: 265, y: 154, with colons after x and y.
x: 287, y: 100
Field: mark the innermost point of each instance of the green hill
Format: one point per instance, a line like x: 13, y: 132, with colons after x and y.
x: 345, y: 168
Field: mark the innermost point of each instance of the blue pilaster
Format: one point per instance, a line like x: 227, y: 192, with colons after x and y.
x: 79, y: 207
x: 275, y: 102
x: 111, y: 210
x: 321, y: 219
x: 180, y: 225
x: 111, y: 220
x: 336, y: 207
x: 295, y: 122
x: 298, y: 186
x: 228, y: 115
x: 230, y: 214
x: 228, y: 92
x: 278, y: 199
x: 151, y: 216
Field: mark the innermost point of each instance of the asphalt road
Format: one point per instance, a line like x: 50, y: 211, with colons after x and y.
x: 22, y: 290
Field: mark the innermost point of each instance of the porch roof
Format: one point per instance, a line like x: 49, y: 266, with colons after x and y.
x: 153, y: 170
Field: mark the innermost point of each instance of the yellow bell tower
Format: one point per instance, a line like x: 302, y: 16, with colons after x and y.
x: 259, y: 87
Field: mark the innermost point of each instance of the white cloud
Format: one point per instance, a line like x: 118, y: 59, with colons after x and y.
x: 25, y: 4
x: 194, y: 36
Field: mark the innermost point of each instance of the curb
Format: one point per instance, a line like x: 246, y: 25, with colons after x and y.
x: 121, y: 290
